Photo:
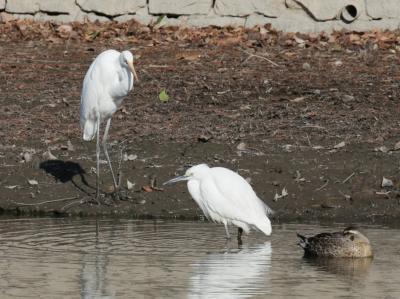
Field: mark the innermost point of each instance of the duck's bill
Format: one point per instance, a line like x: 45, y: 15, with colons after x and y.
x: 175, y: 180
x: 132, y: 68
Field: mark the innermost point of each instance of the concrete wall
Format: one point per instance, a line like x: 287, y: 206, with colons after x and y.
x: 286, y: 15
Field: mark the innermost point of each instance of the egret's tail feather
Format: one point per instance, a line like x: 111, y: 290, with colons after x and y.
x: 265, y: 227
x: 89, y: 131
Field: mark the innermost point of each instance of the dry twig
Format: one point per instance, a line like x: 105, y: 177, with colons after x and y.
x: 46, y: 201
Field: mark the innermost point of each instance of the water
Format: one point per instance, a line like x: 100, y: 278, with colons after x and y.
x: 66, y: 258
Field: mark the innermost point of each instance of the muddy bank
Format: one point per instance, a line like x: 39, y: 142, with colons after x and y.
x: 342, y: 185
x: 318, y: 118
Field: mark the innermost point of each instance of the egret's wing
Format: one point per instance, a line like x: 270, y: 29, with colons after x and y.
x: 98, y: 80
x: 89, y: 104
x: 194, y: 190
x: 235, y: 196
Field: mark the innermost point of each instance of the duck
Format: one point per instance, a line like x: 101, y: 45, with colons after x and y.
x: 349, y: 243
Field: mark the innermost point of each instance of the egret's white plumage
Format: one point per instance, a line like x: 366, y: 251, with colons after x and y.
x: 109, y: 79
x: 226, y: 197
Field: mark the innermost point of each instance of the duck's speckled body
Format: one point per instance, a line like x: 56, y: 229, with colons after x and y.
x: 348, y: 243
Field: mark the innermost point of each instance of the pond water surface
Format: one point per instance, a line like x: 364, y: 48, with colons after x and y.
x: 72, y: 258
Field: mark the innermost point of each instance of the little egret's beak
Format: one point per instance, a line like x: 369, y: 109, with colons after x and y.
x: 132, y: 68
x: 177, y: 179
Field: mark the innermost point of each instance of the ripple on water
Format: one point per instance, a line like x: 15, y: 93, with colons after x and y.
x: 114, y: 259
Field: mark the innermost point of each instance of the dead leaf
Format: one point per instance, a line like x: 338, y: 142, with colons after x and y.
x: 340, y: 145
x: 147, y: 188
x: 11, y: 187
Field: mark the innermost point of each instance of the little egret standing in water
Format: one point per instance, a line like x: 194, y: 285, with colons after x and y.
x: 225, y: 197
x: 109, y: 79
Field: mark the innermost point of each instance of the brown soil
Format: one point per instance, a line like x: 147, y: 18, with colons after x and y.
x: 274, y: 107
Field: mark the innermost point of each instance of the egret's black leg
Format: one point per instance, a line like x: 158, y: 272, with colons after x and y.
x: 239, y: 236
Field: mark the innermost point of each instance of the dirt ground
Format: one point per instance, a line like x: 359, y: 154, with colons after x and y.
x: 316, y: 115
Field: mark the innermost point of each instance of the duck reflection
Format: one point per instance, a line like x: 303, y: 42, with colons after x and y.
x: 349, y: 267
x: 232, y: 274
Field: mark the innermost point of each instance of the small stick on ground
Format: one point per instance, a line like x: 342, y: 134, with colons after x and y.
x: 258, y: 56
x: 44, y: 202
x: 348, y: 178
x: 323, y: 186
x: 71, y: 203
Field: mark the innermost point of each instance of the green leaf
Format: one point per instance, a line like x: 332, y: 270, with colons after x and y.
x: 163, y: 96
x: 160, y: 19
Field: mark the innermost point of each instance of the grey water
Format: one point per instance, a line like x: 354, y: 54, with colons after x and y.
x: 74, y: 258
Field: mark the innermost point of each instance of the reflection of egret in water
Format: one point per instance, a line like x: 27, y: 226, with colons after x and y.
x: 232, y: 274
x: 94, y: 283
x: 348, y: 267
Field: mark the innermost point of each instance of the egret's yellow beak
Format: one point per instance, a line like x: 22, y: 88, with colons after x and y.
x: 132, y: 68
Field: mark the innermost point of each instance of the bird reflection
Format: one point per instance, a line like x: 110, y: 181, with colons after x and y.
x: 348, y: 267
x: 94, y: 283
x: 232, y: 274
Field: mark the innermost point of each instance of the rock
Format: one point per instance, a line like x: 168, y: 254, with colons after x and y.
x: 240, y: 8
x: 256, y: 20
x: 397, y: 146
x: 383, y: 9
x: 213, y: 20
x: 33, y: 182
x: 58, y: 19
x: 292, y: 4
x: 338, y: 63
x: 141, y: 16
x: 111, y: 7
x: 347, y: 98
x: 331, y: 9
x: 130, y: 157
x: 49, y: 156
x: 204, y: 138
x: 2, y: 4
x: 22, y: 6
x: 178, y: 7
x: 27, y: 157
x: 70, y: 146
x: 31, y: 7
x: 64, y: 29
x: 129, y: 185
x: 382, y: 149
x: 241, y: 146
x: 386, y: 183
x: 65, y: 6
x: 306, y: 66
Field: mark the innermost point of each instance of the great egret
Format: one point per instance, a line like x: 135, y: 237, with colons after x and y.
x: 109, y: 79
x: 225, y: 197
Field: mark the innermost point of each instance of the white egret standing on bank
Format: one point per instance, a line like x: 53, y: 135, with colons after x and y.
x: 107, y: 82
x: 225, y: 197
